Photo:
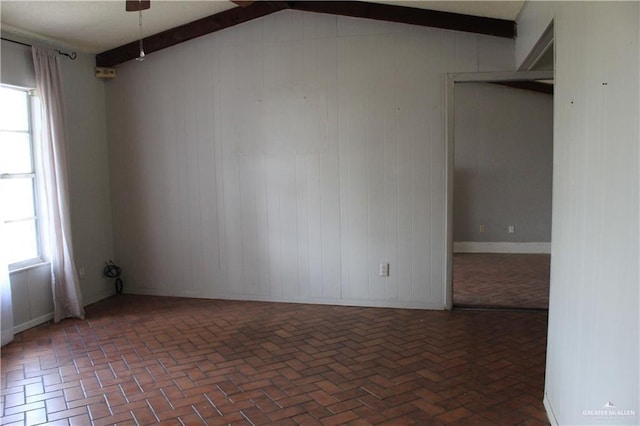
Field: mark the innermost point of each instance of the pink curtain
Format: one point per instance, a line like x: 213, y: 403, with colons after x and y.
x: 50, y: 142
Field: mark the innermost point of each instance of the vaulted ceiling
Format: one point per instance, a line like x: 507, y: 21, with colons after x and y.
x: 99, y: 26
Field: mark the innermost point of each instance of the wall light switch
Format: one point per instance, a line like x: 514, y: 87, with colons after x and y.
x: 384, y: 270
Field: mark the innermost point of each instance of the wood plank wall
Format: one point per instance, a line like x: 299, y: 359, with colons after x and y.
x: 286, y: 158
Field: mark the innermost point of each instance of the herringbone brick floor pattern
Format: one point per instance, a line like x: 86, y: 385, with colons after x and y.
x: 146, y: 360
x: 501, y: 280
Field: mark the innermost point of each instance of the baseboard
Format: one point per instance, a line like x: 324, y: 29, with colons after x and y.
x: 49, y: 316
x: 32, y: 323
x: 142, y: 291
x: 550, y: 414
x: 98, y: 298
x: 501, y: 247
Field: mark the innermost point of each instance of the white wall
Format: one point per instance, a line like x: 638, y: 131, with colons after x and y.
x: 503, y: 164
x: 31, y: 296
x: 84, y: 101
x: 592, y: 352
x: 91, y: 223
x: 533, y: 20
x: 285, y: 158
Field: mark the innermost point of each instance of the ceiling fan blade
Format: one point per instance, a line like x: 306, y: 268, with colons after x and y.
x: 242, y: 3
x: 136, y: 5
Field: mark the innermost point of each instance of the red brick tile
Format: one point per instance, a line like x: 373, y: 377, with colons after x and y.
x: 455, y: 415
x: 44, y: 396
x: 306, y: 420
x: 118, y: 418
x: 60, y: 422
x: 34, y: 389
x: 72, y: 394
x: 338, y: 419
x: 65, y: 414
x: 13, y: 399
x: 369, y: 415
x: 23, y: 408
x: 17, y: 419
x: 286, y: 412
x: 427, y: 407
x: 166, y: 360
x: 479, y: 279
x: 174, y: 413
x: 117, y: 409
x: 81, y: 420
x: 144, y: 416
x: 35, y: 417
x: 323, y: 398
x: 99, y: 410
x: 344, y: 406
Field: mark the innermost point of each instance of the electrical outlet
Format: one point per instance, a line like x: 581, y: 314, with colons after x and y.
x: 511, y: 229
x: 384, y: 270
x: 81, y: 272
x: 482, y: 229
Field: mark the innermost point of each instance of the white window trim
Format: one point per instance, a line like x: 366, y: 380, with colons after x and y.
x: 38, y: 260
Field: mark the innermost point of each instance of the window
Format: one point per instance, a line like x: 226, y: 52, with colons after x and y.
x: 18, y: 181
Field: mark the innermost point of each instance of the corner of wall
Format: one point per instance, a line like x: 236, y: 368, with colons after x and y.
x: 533, y: 20
x: 549, y: 409
x: 85, y: 108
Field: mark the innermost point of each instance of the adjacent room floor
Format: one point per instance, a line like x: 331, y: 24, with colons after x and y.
x: 490, y: 280
x: 144, y: 360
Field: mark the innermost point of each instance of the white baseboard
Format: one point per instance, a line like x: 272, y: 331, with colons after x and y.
x: 32, y: 323
x: 433, y: 306
x: 98, y: 298
x: 49, y: 316
x: 550, y: 414
x: 501, y: 247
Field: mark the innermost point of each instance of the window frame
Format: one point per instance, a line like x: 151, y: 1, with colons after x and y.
x: 35, y: 179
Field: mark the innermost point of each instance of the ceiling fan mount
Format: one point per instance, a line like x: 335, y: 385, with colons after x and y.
x: 137, y: 5
x: 242, y: 3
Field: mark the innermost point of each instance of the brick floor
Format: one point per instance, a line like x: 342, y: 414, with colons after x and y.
x: 501, y: 280
x: 148, y: 360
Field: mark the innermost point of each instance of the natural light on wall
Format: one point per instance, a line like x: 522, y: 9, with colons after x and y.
x: 18, y: 209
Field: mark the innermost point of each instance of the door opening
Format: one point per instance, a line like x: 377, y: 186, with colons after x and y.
x: 499, y: 150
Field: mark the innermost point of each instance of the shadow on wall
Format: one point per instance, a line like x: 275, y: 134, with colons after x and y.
x: 503, y: 164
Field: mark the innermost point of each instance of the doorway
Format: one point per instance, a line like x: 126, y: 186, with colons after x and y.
x: 499, y: 189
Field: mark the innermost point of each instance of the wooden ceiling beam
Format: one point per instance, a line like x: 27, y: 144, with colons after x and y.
x: 411, y: 15
x: 358, y: 9
x: 532, y: 86
x: 189, y: 31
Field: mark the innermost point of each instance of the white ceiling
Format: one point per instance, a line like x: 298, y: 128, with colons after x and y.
x: 96, y: 26
x: 505, y: 9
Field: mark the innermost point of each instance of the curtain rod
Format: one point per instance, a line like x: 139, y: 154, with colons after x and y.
x: 72, y: 55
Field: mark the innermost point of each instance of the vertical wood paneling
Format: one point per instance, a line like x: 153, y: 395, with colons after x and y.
x: 275, y: 226
x: 495, y: 54
x: 248, y: 211
x: 262, y: 223
x: 302, y: 215
x: 314, y: 224
x: 330, y: 229
x: 20, y: 298
x: 592, y: 351
x: 206, y: 157
x: 289, y: 229
x: 390, y: 185
x: 405, y: 193
x: 286, y: 158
